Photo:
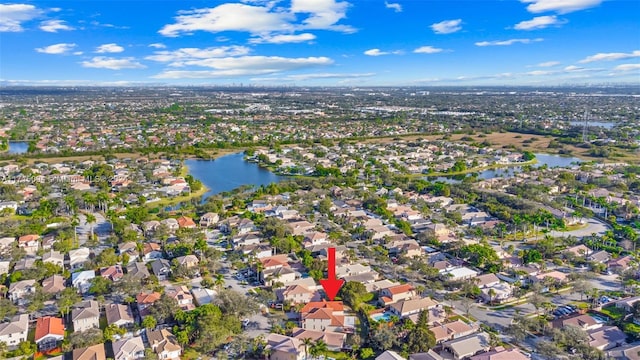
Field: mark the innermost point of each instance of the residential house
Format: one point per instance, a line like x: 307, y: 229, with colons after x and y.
x: 187, y: 261
x: 186, y: 222
x: 171, y: 224
x: 15, y: 331
x: 119, y: 315
x: 20, y: 289
x: 113, y: 272
x: 161, y: 269
x: 619, y: 264
x: 606, y: 337
x: 496, y: 293
x: 164, y: 344
x: 85, y: 316
x: 600, y: 257
x: 429, y: 355
x: 138, y: 270
x: 285, y: 347
x: 297, y: 294
x: 209, y: 219
x: 202, y: 296
x: 128, y: 349
x: 627, y: 303
x: 131, y: 249
x: 30, y: 243
x: 94, y: 352
x: 326, y: 315
x: 486, y: 280
x: 151, y: 251
x: 582, y: 321
x: 49, y: 333
x: 53, y: 257
x: 82, y: 280
x: 181, y: 295
x: 405, y: 308
x: 335, y: 341
x: 390, y: 355
x: 458, y: 273
x: 500, y: 353
x: 145, y: 300
x: 452, y: 330
x: 396, y: 293
x: 78, y: 257
x: 54, y: 284
x: 468, y: 346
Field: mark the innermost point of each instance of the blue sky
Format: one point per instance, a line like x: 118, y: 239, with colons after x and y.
x: 320, y: 42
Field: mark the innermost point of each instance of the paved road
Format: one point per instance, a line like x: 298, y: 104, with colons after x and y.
x: 101, y: 227
x: 594, y: 226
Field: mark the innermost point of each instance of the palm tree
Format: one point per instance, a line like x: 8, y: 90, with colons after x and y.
x: 307, y: 342
x: 320, y: 347
x: 91, y: 219
x: 218, y: 281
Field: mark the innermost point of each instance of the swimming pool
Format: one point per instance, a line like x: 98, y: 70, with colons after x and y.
x: 599, y: 319
x: 385, y: 316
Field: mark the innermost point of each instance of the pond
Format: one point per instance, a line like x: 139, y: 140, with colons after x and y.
x: 551, y: 161
x: 18, y: 147
x: 229, y: 172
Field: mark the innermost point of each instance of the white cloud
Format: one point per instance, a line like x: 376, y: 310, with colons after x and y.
x: 395, y: 6
x: 540, y: 72
x: 283, y: 38
x: 261, y: 19
x: 427, y: 50
x: 539, y: 22
x: 158, y: 46
x: 508, y: 42
x: 610, y: 56
x: 559, y: 6
x: 447, y: 26
x: 54, y: 26
x: 378, y: 52
x: 103, y: 62
x: 627, y: 67
x: 549, y: 64
x: 229, y: 17
x: 244, y: 65
x: 323, y: 14
x: 109, y: 48
x: 178, y: 57
x: 13, y: 15
x: 56, y: 49
x: 573, y: 68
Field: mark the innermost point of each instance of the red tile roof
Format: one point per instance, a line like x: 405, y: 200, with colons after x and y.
x: 48, y: 326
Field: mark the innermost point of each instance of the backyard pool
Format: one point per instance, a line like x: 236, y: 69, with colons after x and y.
x: 385, y: 316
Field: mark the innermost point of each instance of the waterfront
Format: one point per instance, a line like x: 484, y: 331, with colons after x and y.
x: 551, y: 161
x: 18, y: 147
x: 229, y: 172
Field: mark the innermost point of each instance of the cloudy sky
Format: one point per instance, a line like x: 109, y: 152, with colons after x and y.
x: 321, y: 42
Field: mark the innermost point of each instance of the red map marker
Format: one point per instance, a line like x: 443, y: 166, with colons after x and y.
x: 331, y: 285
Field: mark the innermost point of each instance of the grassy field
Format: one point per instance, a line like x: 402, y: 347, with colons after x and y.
x: 533, y: 143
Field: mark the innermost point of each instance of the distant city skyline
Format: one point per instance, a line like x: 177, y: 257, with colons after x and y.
x: 320, y: 42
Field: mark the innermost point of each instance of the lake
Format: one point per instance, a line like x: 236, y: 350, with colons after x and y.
x: 551, y: 161
x: 229, y: 172
x: 18, y: 147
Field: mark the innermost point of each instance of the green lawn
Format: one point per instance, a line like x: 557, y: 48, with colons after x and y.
x: 613, y: 312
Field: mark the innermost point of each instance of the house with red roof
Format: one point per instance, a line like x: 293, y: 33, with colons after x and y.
x: 326, y: 316
x: 396, y: 293
x: 30, y: 243
x: 186, y: 222
x: 49, y: 332
x: 145, y: 300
